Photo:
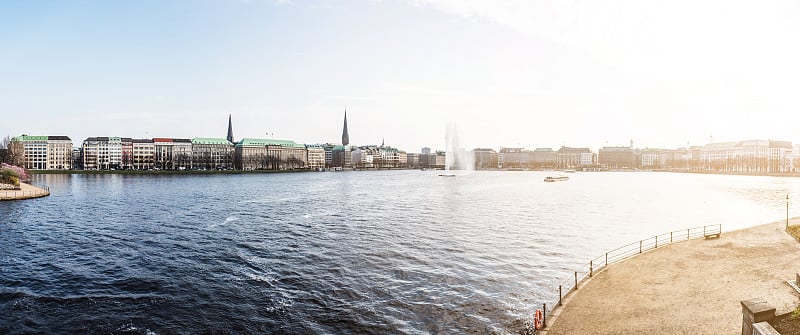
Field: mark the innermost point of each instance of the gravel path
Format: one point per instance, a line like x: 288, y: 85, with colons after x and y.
x: 691, y: 287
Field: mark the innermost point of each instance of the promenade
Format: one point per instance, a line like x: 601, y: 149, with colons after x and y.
x: 26, y: 192
x: 690, y: 287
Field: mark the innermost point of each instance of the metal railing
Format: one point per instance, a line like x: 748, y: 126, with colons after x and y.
x: 41, y: 191
x: 624, y: 252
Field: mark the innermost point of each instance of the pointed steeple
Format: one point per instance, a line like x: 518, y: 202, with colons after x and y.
x: 230, y: 129
x: 345, y: 134
x: 383, y: 142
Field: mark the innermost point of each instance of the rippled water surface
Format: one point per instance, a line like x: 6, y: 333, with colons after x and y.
x: 333, y: 253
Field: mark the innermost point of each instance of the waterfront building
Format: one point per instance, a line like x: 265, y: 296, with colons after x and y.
x: 342, y: 156
x: 315, y: 156
x: 43, y: 152
x: 427, y: 159
x: 779, y: 156
x: 102, y: 153
x: 754, y: 156
x: 269, y: 154
x: 77, y: 158
x: 795, y: 158
x: 389, y: 157
x: 172, y: 153
x: 412, y: 160
x: 567, y: 157
x: 162, y: 155
x: 182, y: 153
x: 751, y: 156
x: 363, y: 157
x: 509, y: 158
x: 328, y: 147
x: 616, y: 157
x: 440, y: 160
x: 676, y: 159
x: 651, y: 159
x: 126, y: 163
x: 485, y: 158
x: 544, y: 158
x: 143, y: 157
x: 212, y: 153
x: 402, y: 158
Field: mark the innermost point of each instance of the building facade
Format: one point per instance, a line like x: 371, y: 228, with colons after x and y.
x: 102, y: 153
x: 485, y: 159
x: 143, y: 154
x: 43, y: 152
x: 568, y: 158
x: 316, y: 157
x: 211, y: 154
x: 544, y: 158
x: 269, y: 154
x: 616, y: 157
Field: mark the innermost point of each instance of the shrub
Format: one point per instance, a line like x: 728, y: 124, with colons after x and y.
x: 10, y: 174
x: 7, y: 171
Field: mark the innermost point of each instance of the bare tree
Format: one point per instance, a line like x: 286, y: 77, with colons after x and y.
x: 11, y: 151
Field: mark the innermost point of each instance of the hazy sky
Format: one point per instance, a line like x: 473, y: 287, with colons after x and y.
x: 509, y: 73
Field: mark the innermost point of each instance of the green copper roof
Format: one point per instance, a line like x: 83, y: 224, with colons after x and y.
x: 30, y: 138
x: 260, y: 142
x: 206, y: 140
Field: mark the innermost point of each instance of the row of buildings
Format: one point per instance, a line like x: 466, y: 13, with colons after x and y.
x: 122, y: 153
x: 752, y: 156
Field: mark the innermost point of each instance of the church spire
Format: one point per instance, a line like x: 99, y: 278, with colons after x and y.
x: 345, y: 134
x: 230, y: 129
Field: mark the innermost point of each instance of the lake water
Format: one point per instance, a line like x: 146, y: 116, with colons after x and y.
x: 335, y: 253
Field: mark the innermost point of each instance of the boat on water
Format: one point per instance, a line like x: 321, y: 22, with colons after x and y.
x: 551, y: 179
x: 569, y: 171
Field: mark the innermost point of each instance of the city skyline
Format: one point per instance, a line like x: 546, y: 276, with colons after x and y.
x: 512, y: 74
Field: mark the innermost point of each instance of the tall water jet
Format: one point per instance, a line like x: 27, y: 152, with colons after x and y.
x: 456, y: 157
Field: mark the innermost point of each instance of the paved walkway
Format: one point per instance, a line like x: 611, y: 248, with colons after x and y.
x: 27, y: 192
x: 691, y: 287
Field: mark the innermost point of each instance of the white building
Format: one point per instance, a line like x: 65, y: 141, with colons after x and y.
x: 102, y: 153
x: 45, y: 152
x: 316, y: 156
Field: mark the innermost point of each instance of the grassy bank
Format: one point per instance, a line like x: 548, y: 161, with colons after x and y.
x: 794, y: 231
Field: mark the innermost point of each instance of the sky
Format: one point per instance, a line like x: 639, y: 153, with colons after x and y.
x: 506, y: 73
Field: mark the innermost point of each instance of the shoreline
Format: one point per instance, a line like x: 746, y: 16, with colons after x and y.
x: 26, y: 191
x: 193, y: 172
x: 209, y: 172
x: 706, y: 278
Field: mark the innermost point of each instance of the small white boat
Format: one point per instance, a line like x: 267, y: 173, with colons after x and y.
x: 569, y: 171
x: 551, y: 179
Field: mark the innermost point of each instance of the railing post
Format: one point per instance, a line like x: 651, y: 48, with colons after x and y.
x: 670, y: 237
x: 656, y: 241
x: 544, y: 315
x: 576, y: 280
x: 606, y: 259
x: 640, y: 246
x: 687, y: 233
x: 559, y: 295
x: 704, y: 231
x: 591, y: 269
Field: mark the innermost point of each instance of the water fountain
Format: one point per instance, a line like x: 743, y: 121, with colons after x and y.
x: 456, y: 157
